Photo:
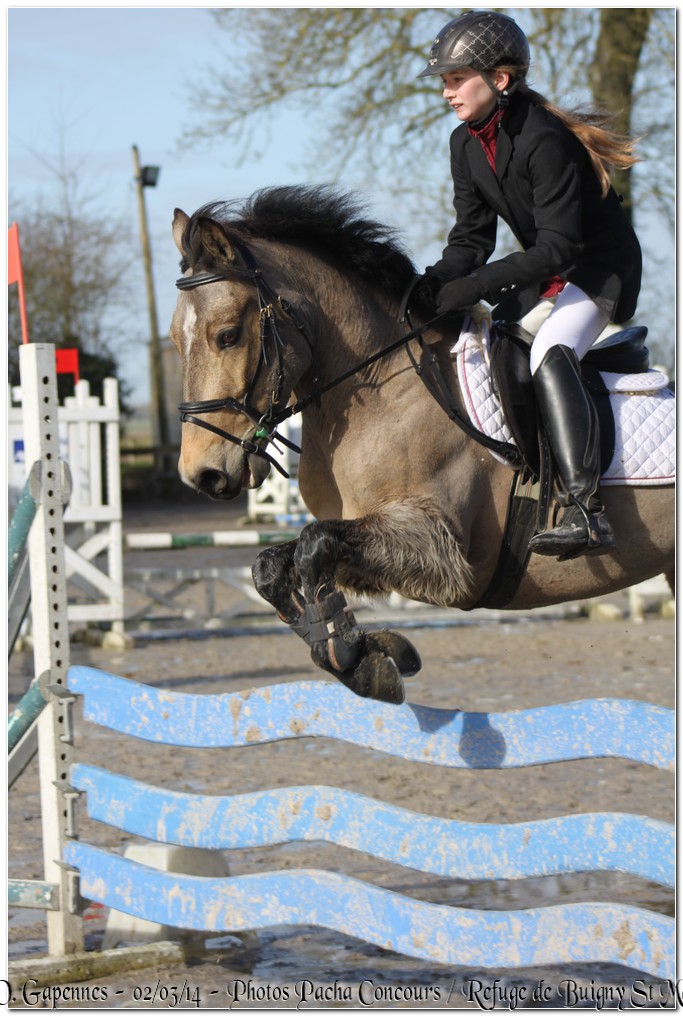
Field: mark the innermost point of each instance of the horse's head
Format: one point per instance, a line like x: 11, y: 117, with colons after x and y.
x: 244, y: 344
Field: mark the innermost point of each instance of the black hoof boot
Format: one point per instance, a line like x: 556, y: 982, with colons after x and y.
x: 385, y: 658
x: 370, y: 664
x: 332, y: 633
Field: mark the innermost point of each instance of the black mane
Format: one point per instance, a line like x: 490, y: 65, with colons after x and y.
x: 320, y: 219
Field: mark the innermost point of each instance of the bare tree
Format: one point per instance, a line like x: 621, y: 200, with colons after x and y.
x: 353, y: 72
x: 76, y: 265
x: 73, y: 274
x: 613, y: 73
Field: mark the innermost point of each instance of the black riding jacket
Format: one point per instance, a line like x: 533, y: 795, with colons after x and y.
x: 547, y: 191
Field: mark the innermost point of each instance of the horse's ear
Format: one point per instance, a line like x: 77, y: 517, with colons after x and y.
x: 215, y: 242
x: 180, y: 221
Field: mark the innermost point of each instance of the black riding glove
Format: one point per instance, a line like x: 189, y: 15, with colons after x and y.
x: 459, y: 294
x: 425, y: 294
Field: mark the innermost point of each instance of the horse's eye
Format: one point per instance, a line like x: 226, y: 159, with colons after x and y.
x: 227, y: 338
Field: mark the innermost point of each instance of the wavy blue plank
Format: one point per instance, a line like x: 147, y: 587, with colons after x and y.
x: 574, y: 933
x: 587, y: 729
x: 595, y: 842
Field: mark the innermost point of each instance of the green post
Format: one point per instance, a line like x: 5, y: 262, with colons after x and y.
x: 19, y: 528
x: 29, y: 708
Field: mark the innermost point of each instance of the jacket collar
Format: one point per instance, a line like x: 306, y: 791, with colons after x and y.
x: 490, y: 183
x: 511, y: 125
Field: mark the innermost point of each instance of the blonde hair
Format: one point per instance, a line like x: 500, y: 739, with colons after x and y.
x: 607, y: 149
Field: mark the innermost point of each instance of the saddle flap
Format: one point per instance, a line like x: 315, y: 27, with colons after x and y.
x: 511, y: 377
x: 643, y: 411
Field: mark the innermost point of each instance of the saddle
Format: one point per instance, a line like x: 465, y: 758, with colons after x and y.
x: 623, y: 352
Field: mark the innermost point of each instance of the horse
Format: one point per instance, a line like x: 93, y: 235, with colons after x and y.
x: 292, y: 302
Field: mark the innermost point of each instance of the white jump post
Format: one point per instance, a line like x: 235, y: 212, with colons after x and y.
x: 278, y: 498
x: 88, y: 423
x: 50, y: 636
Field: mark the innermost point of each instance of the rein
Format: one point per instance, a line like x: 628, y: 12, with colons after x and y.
x: 267, y: 423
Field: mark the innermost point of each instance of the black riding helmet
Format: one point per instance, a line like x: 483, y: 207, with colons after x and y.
x: 482, y: 40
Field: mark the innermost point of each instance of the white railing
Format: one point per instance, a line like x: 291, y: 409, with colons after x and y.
x: 89, y: 442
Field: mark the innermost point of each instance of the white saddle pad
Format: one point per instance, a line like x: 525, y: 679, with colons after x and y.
x: 644, y: 413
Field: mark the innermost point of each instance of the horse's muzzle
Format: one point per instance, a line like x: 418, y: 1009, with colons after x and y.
x: 223, y: 484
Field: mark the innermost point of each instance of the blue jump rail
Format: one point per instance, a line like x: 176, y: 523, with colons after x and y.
x: 614, y: 841
x: 594, y: 728
x: 587, y: 932
x: 571, y: 933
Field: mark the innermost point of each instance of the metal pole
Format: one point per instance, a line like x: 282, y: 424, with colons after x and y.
x: 157, y: 404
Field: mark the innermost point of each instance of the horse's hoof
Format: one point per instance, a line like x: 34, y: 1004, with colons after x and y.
x: 401, y: 651
x: 380, y: 679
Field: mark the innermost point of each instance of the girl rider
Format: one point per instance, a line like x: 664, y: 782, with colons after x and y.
x: 546, y: 173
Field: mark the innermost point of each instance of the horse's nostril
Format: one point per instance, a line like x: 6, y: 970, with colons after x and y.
x: 213, y: 482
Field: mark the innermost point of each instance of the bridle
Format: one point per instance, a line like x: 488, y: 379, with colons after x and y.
x: 272, y: 347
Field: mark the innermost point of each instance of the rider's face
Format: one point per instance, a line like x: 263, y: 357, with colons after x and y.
x: 467, y: 93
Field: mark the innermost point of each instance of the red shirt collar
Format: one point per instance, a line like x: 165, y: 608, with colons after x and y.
x: 487, y: 134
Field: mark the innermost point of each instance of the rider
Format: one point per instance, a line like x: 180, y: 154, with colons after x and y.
x: 545, y: 171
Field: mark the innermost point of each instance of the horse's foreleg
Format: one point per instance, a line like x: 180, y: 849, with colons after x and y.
x: 407, y: 547
x: 325, y: 623
x: 370, y: 664
x: 276, y: 580
x: 318, y: 620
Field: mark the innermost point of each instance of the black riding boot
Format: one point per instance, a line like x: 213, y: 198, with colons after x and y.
x: 572, y: 428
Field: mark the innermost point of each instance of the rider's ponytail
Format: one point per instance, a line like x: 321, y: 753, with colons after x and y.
x: 607, y: 149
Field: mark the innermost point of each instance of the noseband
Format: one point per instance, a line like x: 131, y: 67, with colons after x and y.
x: 271, y: 347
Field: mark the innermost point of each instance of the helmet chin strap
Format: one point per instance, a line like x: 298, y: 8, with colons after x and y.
x: 502, y: 96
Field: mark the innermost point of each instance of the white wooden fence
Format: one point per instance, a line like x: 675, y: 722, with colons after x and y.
x: 89, y: 442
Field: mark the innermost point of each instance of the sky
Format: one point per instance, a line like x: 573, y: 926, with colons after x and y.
x: 109, y: 78
x: 106, y: 78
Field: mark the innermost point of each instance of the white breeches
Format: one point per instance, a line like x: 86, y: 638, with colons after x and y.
x: 574, y: 321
